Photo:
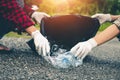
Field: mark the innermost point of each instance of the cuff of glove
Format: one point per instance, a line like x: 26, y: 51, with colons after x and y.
x: 35, y: 7
x: 33, y: 14
x: 35, y: 33
x: 92, y: 42
x: 117, y: 23
x: 109, y: 17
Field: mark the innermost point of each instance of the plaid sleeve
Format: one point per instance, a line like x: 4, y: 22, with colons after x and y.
x: 25, y: 7
x: 28, y: 10
x: 117, y: 23
x: 11, y: 11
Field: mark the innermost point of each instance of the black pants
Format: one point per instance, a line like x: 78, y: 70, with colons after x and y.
x: 68, y: 30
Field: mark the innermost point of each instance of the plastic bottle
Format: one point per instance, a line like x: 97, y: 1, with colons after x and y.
x: 66, y: 60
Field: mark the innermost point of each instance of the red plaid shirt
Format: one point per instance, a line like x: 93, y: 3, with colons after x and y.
x: 11, y: 11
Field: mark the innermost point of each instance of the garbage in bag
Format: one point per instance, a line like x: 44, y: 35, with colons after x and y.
x: 60, y: 58
x: 64, y: 60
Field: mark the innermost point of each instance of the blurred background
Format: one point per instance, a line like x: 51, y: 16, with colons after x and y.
x: 83, y: 7
x: 79, y: 7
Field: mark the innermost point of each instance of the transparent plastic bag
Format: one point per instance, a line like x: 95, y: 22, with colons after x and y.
x: 63, y: 59
x: 66, y: 60
x: 58, y: 56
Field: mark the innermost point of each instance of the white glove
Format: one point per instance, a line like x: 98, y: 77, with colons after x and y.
x: 83, y: 48
x: 35, y: 7
x: 38, y: 16
x: 41, y: 43
x: 102, y: 17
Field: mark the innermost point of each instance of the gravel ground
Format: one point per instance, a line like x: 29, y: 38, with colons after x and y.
x: 103, y: 63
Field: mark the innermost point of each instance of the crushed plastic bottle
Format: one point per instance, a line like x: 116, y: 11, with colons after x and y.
x: 64, y: 60
x: 59, y: 57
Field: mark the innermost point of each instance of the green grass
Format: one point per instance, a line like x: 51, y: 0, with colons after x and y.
x: 104, y: 26
x: 13, y: 34
x: 24, y: 35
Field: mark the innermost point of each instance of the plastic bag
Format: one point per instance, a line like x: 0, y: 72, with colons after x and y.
x: 63, y: 59
x: 59, y: 57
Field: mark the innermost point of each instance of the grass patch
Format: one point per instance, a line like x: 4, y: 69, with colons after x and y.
x: 13, y: 34
x: 25, y: 35
x: 104, y: 26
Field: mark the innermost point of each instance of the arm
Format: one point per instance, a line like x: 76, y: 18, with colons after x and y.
x: 114, y: 17
x: 28, y: 10
x: 41, y: 43
x: 83, y: 48
x: 11, y: 11
x: 36, y: 16
x: 107, y: 34
x: 111, y: 31
x: 105, y: 17
x: 30, y: 29
x: 31, y: 12
x: 15, y: 14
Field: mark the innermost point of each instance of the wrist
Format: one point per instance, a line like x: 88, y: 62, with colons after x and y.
x: 109, y: 17
x: 30, y: 29
x: 35, y: 33
x: 115, y: 17
x: 92, y: 43
x: 117, y: 23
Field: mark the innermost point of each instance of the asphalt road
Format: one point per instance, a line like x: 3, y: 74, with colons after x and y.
x: 103, y: 63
